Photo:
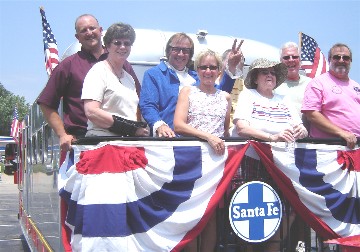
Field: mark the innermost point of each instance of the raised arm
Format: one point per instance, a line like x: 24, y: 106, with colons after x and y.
x: 233, y: 68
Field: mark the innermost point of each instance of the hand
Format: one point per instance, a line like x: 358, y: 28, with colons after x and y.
x: 142, y: 132
x: 300, y: 131
x: 217, y: 144
x: 235, y: 56
x: 284, y: 136
x: 165, y: 131
x: 350, y: 139
x: 65, y: 142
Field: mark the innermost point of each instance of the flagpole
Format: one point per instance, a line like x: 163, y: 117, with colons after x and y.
x: 300, y: 45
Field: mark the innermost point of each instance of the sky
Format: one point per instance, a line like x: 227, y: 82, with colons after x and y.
x: 22, y: 69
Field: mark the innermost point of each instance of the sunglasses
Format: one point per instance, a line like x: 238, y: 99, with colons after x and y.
x: 338, y: 57
x: 287, y: 57
x: 120, y: 43
x: 206, y: 67
x: 267, y: 72
x: 179, y: 49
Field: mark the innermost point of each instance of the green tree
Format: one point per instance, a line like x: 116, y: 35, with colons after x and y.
x: 8, y: 101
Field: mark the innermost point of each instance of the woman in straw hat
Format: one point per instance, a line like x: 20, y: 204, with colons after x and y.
x: 267, y: 116
x: 261, y: 113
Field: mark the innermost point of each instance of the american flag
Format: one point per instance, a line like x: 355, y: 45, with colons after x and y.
x: 50, y: 46
x: 312, y: 59
x: 15, y: 125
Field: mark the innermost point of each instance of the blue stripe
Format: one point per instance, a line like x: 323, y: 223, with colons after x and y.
x: 116, y: 220
x: 343, y: 208
x: 71, y: 160
x: 4, y: 138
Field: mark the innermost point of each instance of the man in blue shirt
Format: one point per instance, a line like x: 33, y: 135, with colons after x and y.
x: 162, y: 83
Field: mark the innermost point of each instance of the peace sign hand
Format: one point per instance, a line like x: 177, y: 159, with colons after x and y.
x: 236, y: 57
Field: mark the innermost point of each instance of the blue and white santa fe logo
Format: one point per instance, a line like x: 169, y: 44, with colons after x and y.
x: 255, y: 211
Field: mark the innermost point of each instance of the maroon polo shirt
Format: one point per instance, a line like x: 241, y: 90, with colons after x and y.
x: 66, y: 82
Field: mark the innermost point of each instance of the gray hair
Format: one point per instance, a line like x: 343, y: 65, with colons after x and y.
x: 289, y: 44
x: 338, y: 45
x: 225, y: 54
x: 119, y: 31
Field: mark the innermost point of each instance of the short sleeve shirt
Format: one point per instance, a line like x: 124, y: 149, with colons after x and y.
x: 338, y: 101
x: 269, y: 115
x: 118, y: 97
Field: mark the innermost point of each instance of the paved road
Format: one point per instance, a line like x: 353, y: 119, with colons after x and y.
x: 11, y: 238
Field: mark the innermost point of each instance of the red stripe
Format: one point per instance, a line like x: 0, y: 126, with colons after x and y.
x: 349, y: 159
x: 306, y: 67
x: 111, y: 159
x: 15, y: 129
x: 54, y: 61
x: 323, y: 70
x: 316, y: 63
x: 347, y: 242
x: 53, y: 50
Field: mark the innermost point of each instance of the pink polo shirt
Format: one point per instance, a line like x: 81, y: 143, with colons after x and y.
x: 338, y: 101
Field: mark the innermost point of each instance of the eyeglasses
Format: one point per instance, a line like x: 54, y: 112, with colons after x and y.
x: 206, y: 67
x: 344, y: 57
x: 267, y: 72
x: 183, y: 49
x: 121, y: 43
x: 287, y: 57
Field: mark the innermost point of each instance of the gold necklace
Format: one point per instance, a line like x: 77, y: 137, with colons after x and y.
x: 113, y: 70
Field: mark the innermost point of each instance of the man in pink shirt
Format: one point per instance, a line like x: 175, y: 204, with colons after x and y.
x: 332, y: 100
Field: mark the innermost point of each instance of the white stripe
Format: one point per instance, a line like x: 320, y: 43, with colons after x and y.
x: 327, y: 164
x: 320, y: 66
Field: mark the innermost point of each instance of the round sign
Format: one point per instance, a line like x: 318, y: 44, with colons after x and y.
x: 255, y: 211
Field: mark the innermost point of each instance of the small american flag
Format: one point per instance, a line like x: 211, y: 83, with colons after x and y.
x: 14, y: 131
x: 312, y: 59
x: 50, y: 46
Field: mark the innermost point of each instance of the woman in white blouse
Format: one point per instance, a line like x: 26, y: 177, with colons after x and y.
x: 109, y: 93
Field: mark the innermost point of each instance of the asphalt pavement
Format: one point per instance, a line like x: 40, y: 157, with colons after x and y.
x: 11, y: 238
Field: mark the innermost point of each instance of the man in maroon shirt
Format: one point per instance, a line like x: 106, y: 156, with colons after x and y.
x: 66, y: 82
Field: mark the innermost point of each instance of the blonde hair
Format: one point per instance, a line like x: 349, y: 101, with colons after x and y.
x: 208, y: 52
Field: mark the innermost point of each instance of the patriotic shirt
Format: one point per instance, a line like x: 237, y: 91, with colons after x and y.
x: 337, y: 100
x: 270, y: 115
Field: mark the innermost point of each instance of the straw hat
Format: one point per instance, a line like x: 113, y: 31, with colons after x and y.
x: 261, y: 63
